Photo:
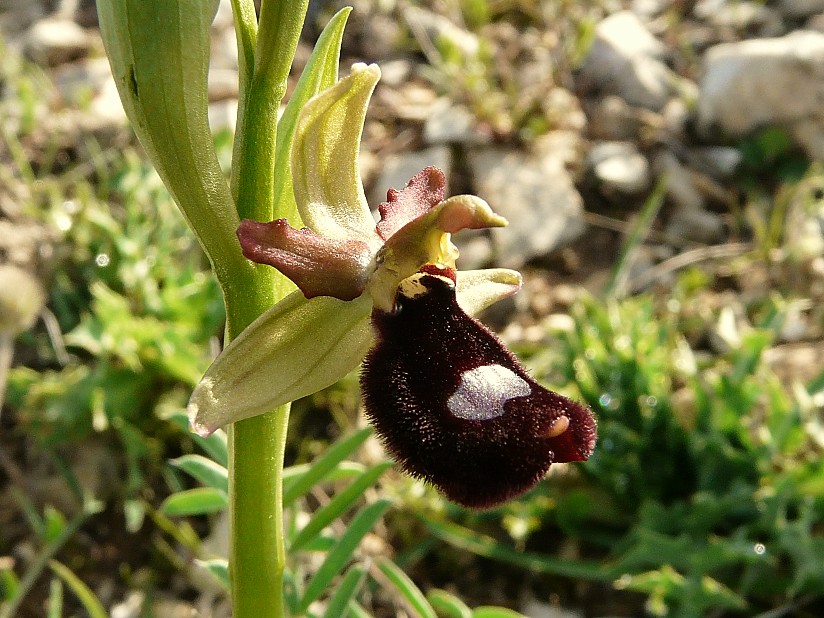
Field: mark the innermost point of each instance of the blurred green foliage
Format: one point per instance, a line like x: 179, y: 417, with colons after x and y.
x: 136, y: 303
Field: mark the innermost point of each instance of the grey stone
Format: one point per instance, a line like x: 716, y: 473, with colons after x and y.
x: 433, y: 28
x: 681, y: 189
x: 741, y: 15
x: 451, y: 124
x: 719, y: 161
x: 760, y: 82
x: 626, y: 59
x: 618, y: 167
x: 537, y: 196
x: 612, y: 118
x: 54, y: 41
x: 799, y: 8
x: 702, y: 226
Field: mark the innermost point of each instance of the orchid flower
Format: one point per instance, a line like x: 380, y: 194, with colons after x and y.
x: 448, y: 400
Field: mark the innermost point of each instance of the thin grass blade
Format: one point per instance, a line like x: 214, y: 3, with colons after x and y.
x: 411, y: 594
x: 347, y: 589
x: 341, y: 554
x: 341, y: 503
x: 83, y: 593
x: 323, y: 466
x: 198, y: 501
x: 204, y: 470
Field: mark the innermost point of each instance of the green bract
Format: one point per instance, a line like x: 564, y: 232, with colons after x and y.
x: 159, y: 54
x: 303, y: 344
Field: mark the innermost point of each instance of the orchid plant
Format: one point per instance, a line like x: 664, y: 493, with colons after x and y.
x: 448, y: 400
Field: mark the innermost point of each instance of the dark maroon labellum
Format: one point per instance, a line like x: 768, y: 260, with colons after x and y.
x: 456, y: 408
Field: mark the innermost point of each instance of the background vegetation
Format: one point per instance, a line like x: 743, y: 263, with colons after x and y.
x: 705, y: 496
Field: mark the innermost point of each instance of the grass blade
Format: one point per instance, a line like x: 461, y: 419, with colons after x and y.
x: 198, y: 501
x: 412, y: 595
x: 338, y: 505
x: 616, y: 288
x: 323, y: 466
x: 346, y: 591
x: 83, y: 593
x: 204, y: 470
x: 482, y: 545
x: 341, y: 553
x: 495, y: 612
x: 448, y: 605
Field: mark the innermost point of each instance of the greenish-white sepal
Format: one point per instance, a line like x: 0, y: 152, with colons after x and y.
x: 295, y: 349
x: 159, y: 55
x: 478, y: 289
x: 326, y: 178
x: 320, y: 73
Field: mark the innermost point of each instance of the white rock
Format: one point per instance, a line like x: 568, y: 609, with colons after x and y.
x: 535, y: 194
x: 618, y: 167
x: 778, y: 81
x: 53, y: 41
x: 625, y: 59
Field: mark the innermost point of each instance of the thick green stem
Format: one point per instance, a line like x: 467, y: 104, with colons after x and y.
x: 257, y: 556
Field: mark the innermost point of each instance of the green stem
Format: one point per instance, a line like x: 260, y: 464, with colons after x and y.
x: 256, y: 446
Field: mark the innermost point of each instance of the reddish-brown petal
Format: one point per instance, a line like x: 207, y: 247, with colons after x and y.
x: 425, y: 190
x: 456, y: 408
x: 319, y: 266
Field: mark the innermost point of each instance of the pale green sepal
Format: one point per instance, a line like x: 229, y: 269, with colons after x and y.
x: 326, y: 178
x: 478, y: 289
x: 159, y: 54
x: 320, y: 73
x: 295, y: 349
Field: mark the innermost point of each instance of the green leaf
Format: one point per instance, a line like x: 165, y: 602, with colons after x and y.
x: 324, y: 465
x: 215, y: 445
x: 134, y: 512
x: 198, y: 501
x: 320, y: 73
x: 345, y: 470
x: 294, y: 349
x: 448, y: 605
x: 349, y: 586
x: 337, y: 506
x: 482, y: 545
x: 83, y: 593
x: 356, y: 610
x: 159, y: 54
x: 339, y: 555
x: 55, y: 523
x: 409, y: 591
x: 219, y: 567
x: 9, y: 584
x: 204, y: 470
x: 495, y: 612
x: 55, y: 603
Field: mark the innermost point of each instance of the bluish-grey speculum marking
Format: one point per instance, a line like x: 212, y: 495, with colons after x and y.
x: 484, y: 390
